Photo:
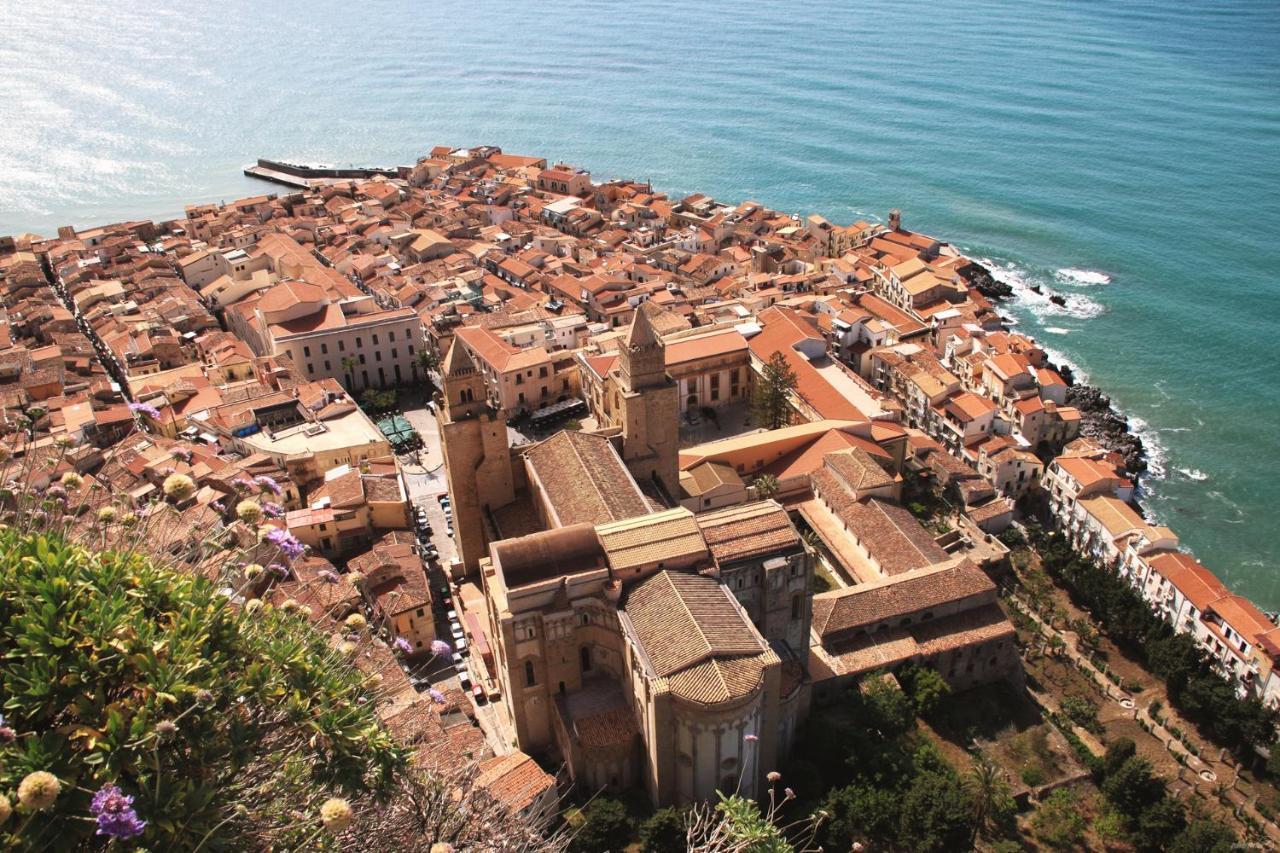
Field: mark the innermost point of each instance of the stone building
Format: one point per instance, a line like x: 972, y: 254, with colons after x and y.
x: 646, y: 406
x: 477, y: 457
x: 621, y: 649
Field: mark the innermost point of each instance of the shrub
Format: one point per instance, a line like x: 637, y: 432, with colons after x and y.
x: 605, y: 826
x: 221, y: 724
x: 665, y: 831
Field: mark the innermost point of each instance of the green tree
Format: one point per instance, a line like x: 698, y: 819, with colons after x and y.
x: 766, y: 486
x: 989, y: 795
x: 1133, y: 788
x: 1159, y: 824
x: 926, y: 687
x: 605, y: 827
x: 1204, y: 836
x: 1118, y: 752
x: 936, y: 814
x: 428, y: 360
x: 1058, y: 822
x: 771, y: 399
x: 349, y: 368
x: 666, y: 831
x: 860, y: 814
x: 885, y: 708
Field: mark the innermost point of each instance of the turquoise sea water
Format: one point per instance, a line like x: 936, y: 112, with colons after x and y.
x: 1133, y: 142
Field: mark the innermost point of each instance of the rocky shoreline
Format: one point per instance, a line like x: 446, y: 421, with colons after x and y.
x: 1099, y: 419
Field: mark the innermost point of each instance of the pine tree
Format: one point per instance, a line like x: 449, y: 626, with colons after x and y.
x: 771, y: 400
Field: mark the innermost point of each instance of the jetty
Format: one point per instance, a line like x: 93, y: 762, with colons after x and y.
x: 305, y: 176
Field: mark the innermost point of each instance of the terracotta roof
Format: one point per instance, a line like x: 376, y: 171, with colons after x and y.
x: 584, y: 480
x: 514, y: 779
x: 747, y: 531
x: 1199, y: 585
x: 694, y: 635
x: 912, y: 592
x: 891, y: 534
x: 670, y: 536
x: 705, y: 346
x: 858, y: 469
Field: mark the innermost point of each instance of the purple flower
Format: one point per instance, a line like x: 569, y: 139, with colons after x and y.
x: 328, y: 576
x: 279, y: 570
x: 440, y: 648
x: 7, y: 734
x: 750, y: 738
x: 403, y: 646
x: 436, y: 696
x: 271, y: 510
x: 287, y: 543
x: 115, y: 814
x: 268, y: 484
x: 144, y: 409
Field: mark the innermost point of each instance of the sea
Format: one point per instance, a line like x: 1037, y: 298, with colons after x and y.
x: 1123, y: 154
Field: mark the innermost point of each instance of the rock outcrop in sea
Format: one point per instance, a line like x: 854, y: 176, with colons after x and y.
x: 980, y: 278
x: 1100, y: 420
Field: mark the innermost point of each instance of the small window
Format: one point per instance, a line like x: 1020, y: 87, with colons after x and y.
x: 306, y: 352
x: 529, y: 680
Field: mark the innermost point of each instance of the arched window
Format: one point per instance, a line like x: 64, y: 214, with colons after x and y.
x: 529, y: 679
x: 795, y: 606
x: 584, y: 654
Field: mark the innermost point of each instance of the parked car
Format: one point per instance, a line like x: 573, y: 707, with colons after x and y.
x: 461, y: 645
x: 465, y: 681
x: 478, y: 692
x: 456, y: 630
x: 453, y: 615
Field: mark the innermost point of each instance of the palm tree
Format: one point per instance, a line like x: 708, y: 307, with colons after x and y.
x: 766, y: 486
x: 811, y: 541
x: 428, y: 360
x: 349, y: 365
x: 988, y: 792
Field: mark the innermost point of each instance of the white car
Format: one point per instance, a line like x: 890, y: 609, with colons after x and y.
x: 452, y: 615
x: 456, y: 630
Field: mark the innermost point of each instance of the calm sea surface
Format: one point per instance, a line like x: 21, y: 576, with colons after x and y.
x: 1124, y: 154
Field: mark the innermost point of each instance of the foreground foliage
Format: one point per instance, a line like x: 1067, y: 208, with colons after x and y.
x: 220, y: 724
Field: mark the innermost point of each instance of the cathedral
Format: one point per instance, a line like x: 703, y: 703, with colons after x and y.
x: 634, y: 641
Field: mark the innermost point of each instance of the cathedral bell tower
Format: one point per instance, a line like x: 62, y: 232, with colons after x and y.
x: 477, y: 458
x: 650, y: 406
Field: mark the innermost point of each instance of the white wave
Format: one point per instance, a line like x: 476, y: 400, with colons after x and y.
x: 1174, y: 429
x: 1156, y: 453
x: 1075, y: 305
x: 1193, y: 474
x: 1057, y: 330
x: 1072, y: 275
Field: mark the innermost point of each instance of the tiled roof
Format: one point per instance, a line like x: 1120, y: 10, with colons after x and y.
x: 584, y: 480
x: 891, y: 534
x: 888, y: 600
x: 514, y: 779
x: 670, y: 536
x: 746, y: 531
x: 693, y: 634
x: 858, y: 469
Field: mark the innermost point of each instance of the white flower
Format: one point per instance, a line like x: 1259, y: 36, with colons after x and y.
x: 38, y: 790
x: 250, y: 512
x: 335, y: 814
x: 179, y: 487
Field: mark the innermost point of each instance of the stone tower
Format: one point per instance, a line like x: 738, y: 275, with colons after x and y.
x: 649, y: 407
x: 477, y: 458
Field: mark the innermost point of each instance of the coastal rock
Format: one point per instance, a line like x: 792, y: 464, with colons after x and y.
x: 1100, y: 420
x: 980, y: 278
